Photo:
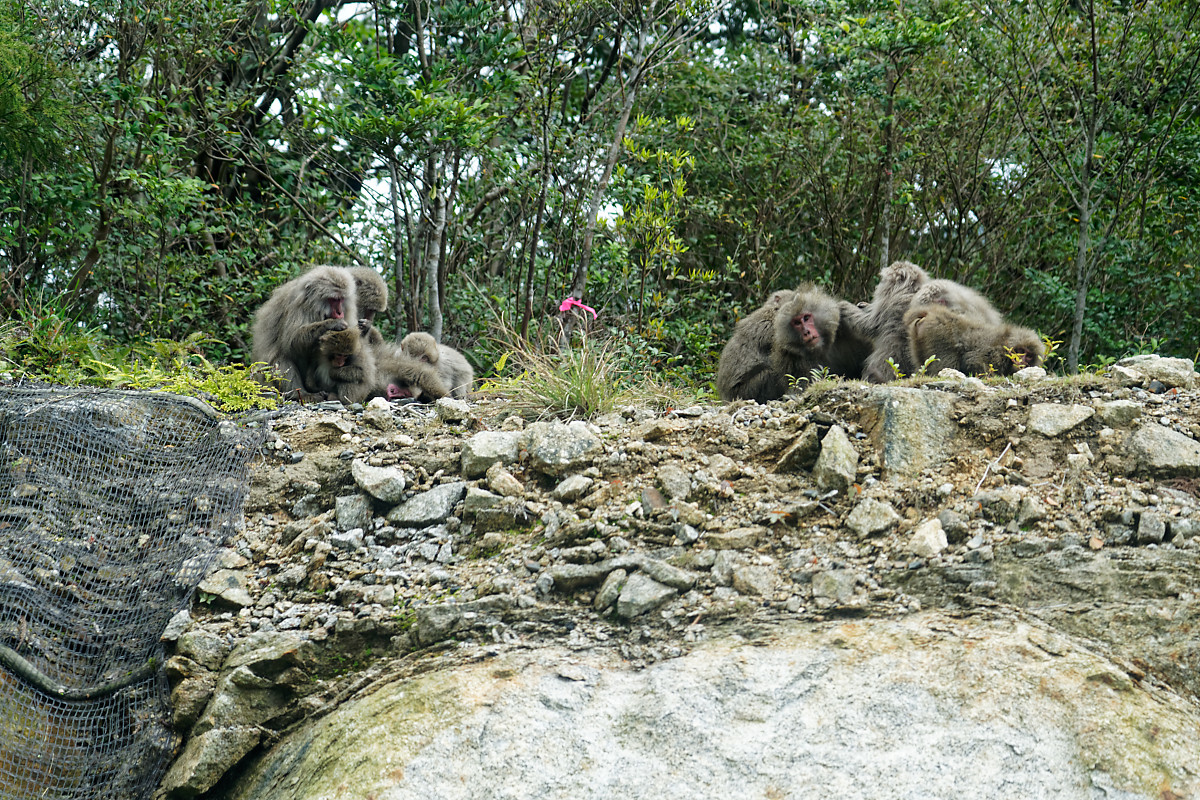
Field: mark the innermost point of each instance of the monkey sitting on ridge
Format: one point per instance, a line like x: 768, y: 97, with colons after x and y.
x: 956, y: 341
x: 372, y: 297
x: 903, y: 285
x: 288, y: 326
x: 745, y: 371
x: 452, y: 366
x: 815, y: 331
x: 344, y: 367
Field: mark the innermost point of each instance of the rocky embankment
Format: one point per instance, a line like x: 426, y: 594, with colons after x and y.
x: 946, y: 589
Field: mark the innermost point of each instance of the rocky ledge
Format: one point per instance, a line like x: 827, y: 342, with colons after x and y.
x: 838, y: 561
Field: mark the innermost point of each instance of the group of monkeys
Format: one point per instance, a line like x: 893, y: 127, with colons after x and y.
x: 912, y: 321
x: 318, y: 332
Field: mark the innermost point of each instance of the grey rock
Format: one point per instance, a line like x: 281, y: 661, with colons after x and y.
x: 176, y: 626
x: 1159, y: 451
x: 229, y: 585
x: 1118, y: 413
x: 1174, y: 372
x: 871, y: 517
x: 999, y: 506
x: 353, y: 511
x: 204, y: 647
x: 503, y: 482
x: 675, y: 481
x: 349, y: 541
x: 556, y: 449
x: 640, y: 594
x: 383, y: 483
x: 756, y: 580
x: 954, y: 524
x: 803, y: 453
x: 913, y: 429
x: 572, y: 488
x: 928, y: 539
x: 428, y: 508
x: 724, y: 565
x: 437, y: 622
x: 486, y: 448
x: 1152, y: 528
x: 610, y: 590
x: 1030, y: 511
x: 1185, y: 527
x: 568, y: 577
x: 833, y: 586
x: 477, y: 500
x: 1053, y: 419
x: 207, y: 757
x: 736, y: 539
x: 450, y: 409
x: 837, y: 464
x: 724, y: 468
x: 666, y: 574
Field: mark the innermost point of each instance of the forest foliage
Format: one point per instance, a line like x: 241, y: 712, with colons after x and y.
x: 668, y: 163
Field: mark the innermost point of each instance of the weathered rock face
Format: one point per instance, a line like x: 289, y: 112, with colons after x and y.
x: 907, y: 708
x: 1020, y: 562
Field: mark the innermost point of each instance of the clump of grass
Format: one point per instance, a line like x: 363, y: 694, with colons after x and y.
x: 586, y: 379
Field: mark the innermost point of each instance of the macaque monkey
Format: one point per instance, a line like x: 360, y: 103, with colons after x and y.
x: 956, y: 341
x: 958, y: 298
x: 344, y: 367
x: 813, y: 330
x: 298, y: 313
x: 452, y: 366
x: 372, y: 294
x: 400, y: 376
x: 745, y: 371
x: 884, y: 319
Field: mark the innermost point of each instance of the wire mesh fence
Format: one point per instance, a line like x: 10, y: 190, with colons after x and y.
x: 112, y: 505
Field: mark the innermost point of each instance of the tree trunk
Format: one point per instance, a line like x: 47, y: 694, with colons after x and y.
x: 433, y: 250
x: 397, y: 248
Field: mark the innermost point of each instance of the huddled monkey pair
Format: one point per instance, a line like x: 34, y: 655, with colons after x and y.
x: 318, y: 331
x: 911, y: 319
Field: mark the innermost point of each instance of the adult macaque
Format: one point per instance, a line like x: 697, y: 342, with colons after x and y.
x: 344, y: 368
x: 958, y: 298
x: 745, y: 371
x: 372, y: 295
x: 452, y: 366
x: 883, y: 320
x: 400, y: 376
x: 815, y: 331
x: 955, y: 341
x: 298, y: 313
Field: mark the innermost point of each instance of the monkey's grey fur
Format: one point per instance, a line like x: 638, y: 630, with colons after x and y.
x: 399, y: 375
x: 452, y: 366
x: 745, y: 371
x: 973, y: 347
x: 298, y: 313
x: 815, y: 331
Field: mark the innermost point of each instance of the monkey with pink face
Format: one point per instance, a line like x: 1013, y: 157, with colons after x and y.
x: 814, y: 331
x: 289, y: 325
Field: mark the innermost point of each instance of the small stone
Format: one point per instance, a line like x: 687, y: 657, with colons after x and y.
x: 675, y: 481
x: 572, y: 488
x: 871, y: 517
x: 833, y: 586
x: 1152, y: 529
x: 1052, y: 419
x: 449, y: 409
x: 383, y: 483
x: 837, y: 464
x: 353, y: 511
x: 640, y: 594
x: 1118, y: 413
x: 755, y: 580
x: 610, y: 590
x: 928, y: 540
x: 503, y: 482
x: 486, y: 448
x: 736, y: 539
x: 428, y: 508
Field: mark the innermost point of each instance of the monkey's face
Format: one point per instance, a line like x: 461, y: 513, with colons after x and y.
x: 402, y: 391
x: 805, y: 326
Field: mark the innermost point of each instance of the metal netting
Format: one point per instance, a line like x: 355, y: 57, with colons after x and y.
x: 112, y: 505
